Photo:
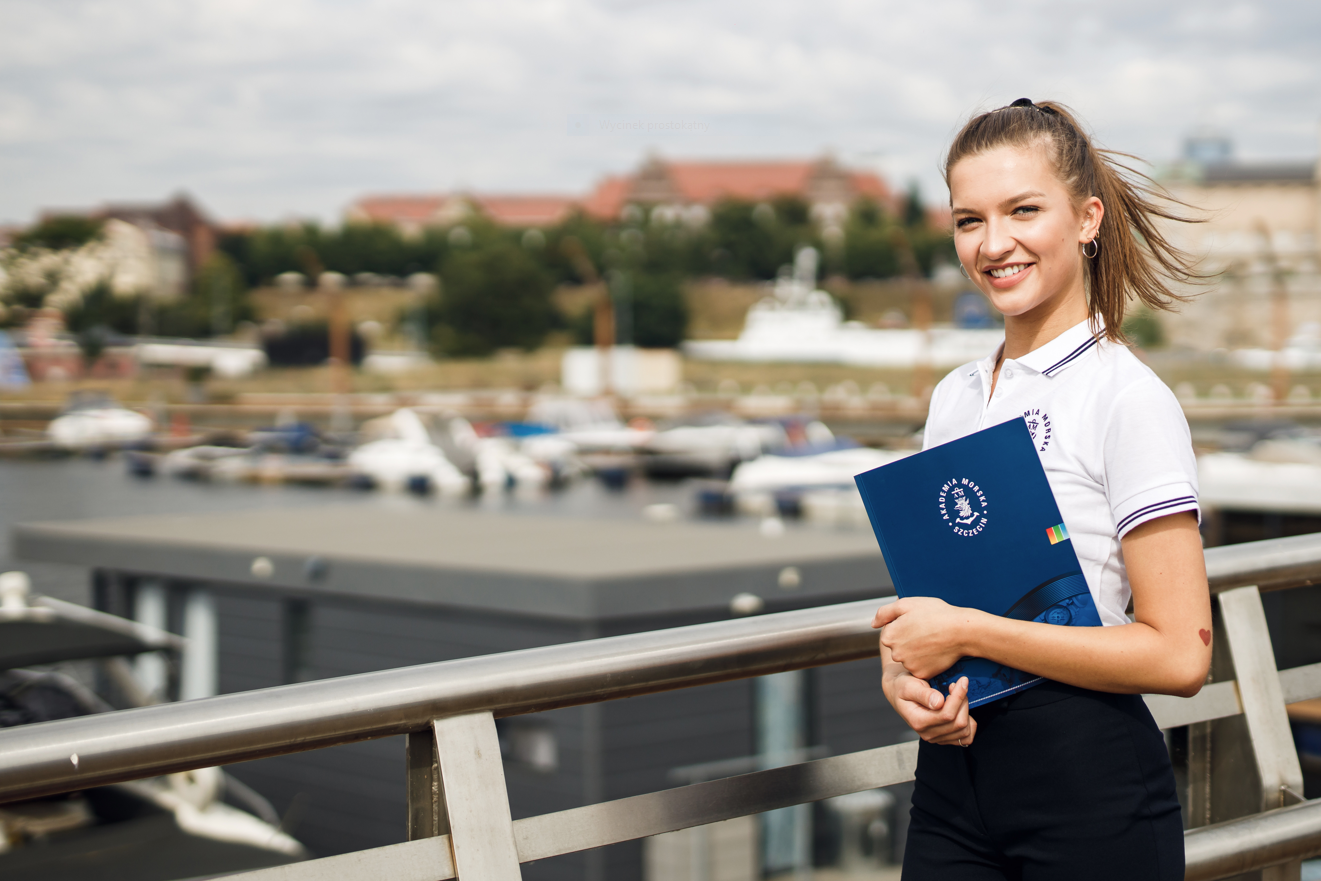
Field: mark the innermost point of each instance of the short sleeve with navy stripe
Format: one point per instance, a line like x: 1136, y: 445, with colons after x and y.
x: 1112, y: 439
x: 1147, y: 452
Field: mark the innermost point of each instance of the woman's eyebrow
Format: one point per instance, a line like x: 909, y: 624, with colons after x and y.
x: 1029, y: 194
x: 1007, y: 203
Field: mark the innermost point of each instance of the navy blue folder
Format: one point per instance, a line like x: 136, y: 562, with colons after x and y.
x: 974, y: 522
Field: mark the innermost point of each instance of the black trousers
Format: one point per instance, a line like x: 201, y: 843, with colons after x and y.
x: 1060, y: 783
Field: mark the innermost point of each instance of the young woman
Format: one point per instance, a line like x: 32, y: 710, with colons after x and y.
x: 1069, y: 779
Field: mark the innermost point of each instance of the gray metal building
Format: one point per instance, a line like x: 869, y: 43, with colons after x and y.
x: 272, y: 597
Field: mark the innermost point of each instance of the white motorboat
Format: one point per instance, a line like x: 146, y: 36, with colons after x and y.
x: 829, y: 470
x: 403, y: 455
x: 817, y: 487
x: 799, y: 323
x: 199, y: 823
x: 710, y: 450
x: 96, y: 422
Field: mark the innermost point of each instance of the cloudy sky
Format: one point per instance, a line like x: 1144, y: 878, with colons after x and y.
x: 269, y: 109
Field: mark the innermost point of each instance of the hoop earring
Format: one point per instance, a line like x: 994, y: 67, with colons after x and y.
x: 964, y: 271
x: 1096, y: 248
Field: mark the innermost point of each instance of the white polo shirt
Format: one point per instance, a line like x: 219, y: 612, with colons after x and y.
x: 1112, y: 438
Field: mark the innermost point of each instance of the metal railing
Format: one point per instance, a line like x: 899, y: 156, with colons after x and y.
x: 459, y: 818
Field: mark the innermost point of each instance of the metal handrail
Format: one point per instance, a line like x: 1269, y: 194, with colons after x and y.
x: 1265, y: 839
x: 72, y: 754
x: 1273, y: 564
x: 53, y: 757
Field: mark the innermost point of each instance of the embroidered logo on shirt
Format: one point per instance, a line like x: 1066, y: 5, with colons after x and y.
x: 1038, y: 425
x: 963, y: 506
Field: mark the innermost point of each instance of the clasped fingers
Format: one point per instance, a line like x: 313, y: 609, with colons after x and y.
x: 937, y: 719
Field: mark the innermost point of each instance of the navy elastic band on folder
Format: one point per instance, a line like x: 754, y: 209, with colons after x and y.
x: 1043, y: 596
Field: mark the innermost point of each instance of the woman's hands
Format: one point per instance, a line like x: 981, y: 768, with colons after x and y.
x: 936, y: 718
x: 924, y: 634
x: 921, y: 638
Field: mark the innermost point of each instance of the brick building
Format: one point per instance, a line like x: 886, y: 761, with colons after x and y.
x: 413, y: 213
x: 670, y: 190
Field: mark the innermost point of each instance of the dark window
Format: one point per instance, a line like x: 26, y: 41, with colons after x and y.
x: 297, y: 641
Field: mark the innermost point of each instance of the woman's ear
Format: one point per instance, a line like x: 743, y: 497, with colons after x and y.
x: 1092, y: 213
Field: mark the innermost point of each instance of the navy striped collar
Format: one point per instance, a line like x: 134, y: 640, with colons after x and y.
x: 1058, y: 354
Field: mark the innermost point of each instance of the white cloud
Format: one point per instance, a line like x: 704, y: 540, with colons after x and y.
x: 268, y: 109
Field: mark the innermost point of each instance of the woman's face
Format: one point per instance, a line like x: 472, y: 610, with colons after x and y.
x: 1018, y: 232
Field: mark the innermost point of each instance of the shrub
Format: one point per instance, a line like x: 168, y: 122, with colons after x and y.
x: 493, y: 296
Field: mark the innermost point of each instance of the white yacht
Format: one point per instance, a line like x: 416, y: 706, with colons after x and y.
x: 199, y: 823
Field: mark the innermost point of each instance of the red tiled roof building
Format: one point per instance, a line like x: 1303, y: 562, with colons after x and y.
x: 824, y: 184
x: 677, y: 190
x: 413, y: 213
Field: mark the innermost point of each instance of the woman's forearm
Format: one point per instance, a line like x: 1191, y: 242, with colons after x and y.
x: 1167, y: 650
x: 1128, y: 658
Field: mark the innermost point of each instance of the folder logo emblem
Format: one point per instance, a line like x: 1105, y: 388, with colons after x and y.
x: 963, y: 506
x: 1057, y: 534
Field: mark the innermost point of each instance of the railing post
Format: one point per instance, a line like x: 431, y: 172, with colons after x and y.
x: 472, y: 778
x: 426, y: 803
x: 1263, y: 732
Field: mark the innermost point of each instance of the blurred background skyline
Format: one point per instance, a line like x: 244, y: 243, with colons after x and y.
x: 270, y: 111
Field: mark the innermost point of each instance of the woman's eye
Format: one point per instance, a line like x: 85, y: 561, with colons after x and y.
x: 965, y: 222
x: 1026, y: 209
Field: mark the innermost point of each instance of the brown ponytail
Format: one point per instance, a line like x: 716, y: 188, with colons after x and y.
x: 1134, y: 258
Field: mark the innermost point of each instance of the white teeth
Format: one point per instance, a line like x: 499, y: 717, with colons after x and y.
x: 1007, y: 271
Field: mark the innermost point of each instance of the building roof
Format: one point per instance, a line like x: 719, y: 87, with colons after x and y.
x: 506, y: 209
x: 180, y: 214
x: 705, y: 183
x: 870, y: 186
x: 708, y: 182
x: 658, y: 180
x: 540, y: 566
x: 414, y: 209
x: 524, y: 210
x: 609, y: 196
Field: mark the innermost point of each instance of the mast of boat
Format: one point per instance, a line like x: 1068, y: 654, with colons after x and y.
x: 1279, y: 316
x: 603, y: 309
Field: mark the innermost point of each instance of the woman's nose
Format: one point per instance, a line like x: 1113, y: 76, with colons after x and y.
x: 997, y: 243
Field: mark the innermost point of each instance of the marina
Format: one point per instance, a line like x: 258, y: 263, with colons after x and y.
x: 401, y: 479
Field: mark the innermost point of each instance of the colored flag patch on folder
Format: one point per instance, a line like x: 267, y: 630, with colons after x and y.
x: 1057, y: 534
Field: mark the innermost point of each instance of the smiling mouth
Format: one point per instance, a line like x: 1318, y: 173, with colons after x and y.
x: 1008, y: 271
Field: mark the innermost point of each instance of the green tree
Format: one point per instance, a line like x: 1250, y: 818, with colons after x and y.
x: 59, y: 232
x: 659, y: 312
x: 753, y: 240
x: 932, y: 246
x: 100, y: 308
x: 915, y: 210
x: 98, y: 317
x: 219, y: 300
x: 494, y: 294
x: 1143, y: 327
x: 568, y: 243
x: 878, y: 246
x: 869, y: 250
